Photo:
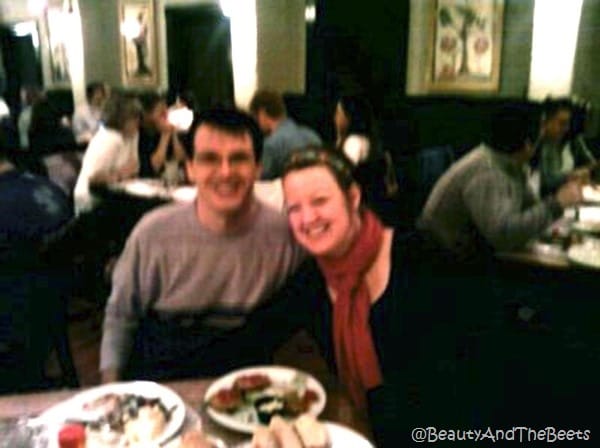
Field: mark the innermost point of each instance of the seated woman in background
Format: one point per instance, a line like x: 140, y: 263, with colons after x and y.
x: 357, y: 137
x: 371, y: 308
x: 158, y: 141
x: 112, y: 153
x: 355, y: 129
x: 562, y: 153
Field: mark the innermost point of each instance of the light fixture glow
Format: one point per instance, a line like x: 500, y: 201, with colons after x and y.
x: 227, y: 7
x: 244, y: 50
x: 310, y: 13
x: 131, y: 28
x: 553, y: 52
x: 37, y: 7
x: 29, y: 28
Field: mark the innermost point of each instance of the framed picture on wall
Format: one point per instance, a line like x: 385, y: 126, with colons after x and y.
x: 57, y: 28
x: 465, y: 46
x: 139, y: 55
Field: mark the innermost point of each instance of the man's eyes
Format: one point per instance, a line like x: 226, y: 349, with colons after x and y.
x: 239, y: 158
x: 215, y: 159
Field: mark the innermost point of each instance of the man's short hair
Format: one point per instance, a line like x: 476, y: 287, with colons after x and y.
x: 269, y: 101
x: 512, y: 126
x: 552, y: 106
x: 150, y: 98
x: 92, y: 87
x: 231, y: 121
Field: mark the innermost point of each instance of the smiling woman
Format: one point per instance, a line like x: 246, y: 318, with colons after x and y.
x: 371, y: 281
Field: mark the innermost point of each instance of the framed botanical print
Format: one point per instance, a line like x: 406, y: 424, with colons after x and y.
x: 465, y: 46
x: 56, y: 25
x: 139, y: 55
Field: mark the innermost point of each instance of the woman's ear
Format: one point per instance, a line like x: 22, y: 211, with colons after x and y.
x: 354, y: 195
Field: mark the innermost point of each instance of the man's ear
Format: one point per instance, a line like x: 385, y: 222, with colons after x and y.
x: 259, y: 169
x: 189, y: 170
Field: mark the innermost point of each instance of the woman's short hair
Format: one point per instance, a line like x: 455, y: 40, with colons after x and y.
x: 338, y: 164
x: 119, y: 108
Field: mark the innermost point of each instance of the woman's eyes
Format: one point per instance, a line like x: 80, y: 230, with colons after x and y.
x: 320, y: 200
x: 312, y: 203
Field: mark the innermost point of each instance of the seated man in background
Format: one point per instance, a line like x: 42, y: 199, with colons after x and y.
x: 283, y: 134
x: 191, y: 272
x: 483, y: 202
x: 481, y: 205
x: 159, y: 141
x: 87, y: 117
x: 560, y: 158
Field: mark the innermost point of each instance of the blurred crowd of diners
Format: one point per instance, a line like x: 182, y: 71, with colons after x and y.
x: 409, y: 337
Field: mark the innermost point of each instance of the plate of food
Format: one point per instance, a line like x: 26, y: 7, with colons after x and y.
x: 586, y: 226
x: 306, y: 431
x: 133, y: 414
x: 586, y: 254
x: 246, y: 399
x: 591, y: 193
x: 146, y: 188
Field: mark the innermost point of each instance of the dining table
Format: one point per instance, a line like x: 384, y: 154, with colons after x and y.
x: 156, y: 191
x: 570, y: 244
x: 17, y: 409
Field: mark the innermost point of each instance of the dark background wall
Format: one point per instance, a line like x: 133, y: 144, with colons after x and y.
x: 516, y: 48
x: 353, y: 46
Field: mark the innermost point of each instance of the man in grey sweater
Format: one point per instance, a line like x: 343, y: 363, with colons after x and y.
x: 483, y: 202
x: 191, y: 274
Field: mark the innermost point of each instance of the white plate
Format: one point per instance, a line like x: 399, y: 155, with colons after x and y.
x: 586, y: 254
x: 184, y: 194
x: 277, y: 374
x: 343, y: 437
x: 147, y: 188
x: 591, y: 193
x: 587, y: 226
x: 340, y: 437
x: 72, y: 408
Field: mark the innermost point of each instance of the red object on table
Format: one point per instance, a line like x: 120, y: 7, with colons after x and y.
x: 71, y: 436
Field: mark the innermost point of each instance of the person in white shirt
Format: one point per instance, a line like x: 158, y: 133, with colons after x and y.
x: 112, y: 153
x: 87, y: 117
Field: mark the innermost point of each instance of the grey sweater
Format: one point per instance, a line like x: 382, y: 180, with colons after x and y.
x: 171, y: 263
x: 485, y: 196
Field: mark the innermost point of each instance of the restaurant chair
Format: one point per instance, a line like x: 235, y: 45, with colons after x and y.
x: 423, y: 169
x: 33, y: 323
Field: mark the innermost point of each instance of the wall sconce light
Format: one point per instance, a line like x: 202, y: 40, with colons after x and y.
x: 130, y: 29
x: 310, y: 13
